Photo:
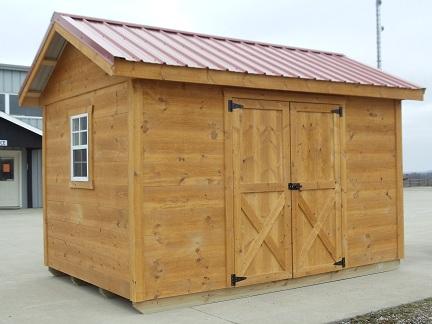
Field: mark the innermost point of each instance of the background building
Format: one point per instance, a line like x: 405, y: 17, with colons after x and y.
x: 20, y: 144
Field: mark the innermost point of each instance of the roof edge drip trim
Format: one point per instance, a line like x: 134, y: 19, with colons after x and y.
x: 14, y: 67
x: 20, y: 123
x: 82, y: 37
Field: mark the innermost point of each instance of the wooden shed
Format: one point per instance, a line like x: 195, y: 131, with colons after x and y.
x: 182, y: 168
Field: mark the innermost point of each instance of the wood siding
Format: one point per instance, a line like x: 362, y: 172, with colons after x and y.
x: 74, y: 75
x: 181, y: 184
x: 87, y: 229
x: 178, y: 237
x: 372, y: 176
x: 182, y: 189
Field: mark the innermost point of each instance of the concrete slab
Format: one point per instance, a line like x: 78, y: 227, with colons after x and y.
x: 29, y: 293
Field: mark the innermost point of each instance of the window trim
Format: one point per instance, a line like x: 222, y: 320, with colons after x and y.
x: 7, y: 103
x: 79, y: 147
x: 28, y: 117
x: 82, y: 182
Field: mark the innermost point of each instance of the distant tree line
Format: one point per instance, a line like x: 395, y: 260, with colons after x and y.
x: 418, y: 179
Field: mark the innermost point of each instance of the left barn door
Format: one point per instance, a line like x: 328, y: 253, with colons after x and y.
x: 262, y: 203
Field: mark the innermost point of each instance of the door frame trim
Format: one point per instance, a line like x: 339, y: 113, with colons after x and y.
x: 229, y: 192
x: 230, y: 93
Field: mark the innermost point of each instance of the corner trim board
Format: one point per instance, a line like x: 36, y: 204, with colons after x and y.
x: 136, y: 253
x: 399, y: 180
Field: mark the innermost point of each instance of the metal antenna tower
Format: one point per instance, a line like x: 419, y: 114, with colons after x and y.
x: 379, y: 29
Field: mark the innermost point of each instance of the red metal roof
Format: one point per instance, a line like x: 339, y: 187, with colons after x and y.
x: 139, y: 43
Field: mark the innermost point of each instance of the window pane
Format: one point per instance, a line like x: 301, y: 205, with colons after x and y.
x: 80, y: 169
x: 76, y: 156
x: 77, y: 169
x: 79, y: 155
x: 84, y: 169
x: 15, y: 109
x: 84, y: 155
x: 2, y: 102
x: 83, y: 138
x: 75, y: 124
x: 75, y: 138
x: 6, y: 169
x: 83, y: 123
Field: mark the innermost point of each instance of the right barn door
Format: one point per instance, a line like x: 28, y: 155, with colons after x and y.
x: 315, y: 187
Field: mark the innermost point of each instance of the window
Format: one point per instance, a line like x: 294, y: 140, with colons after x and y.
x: 15, y: 109
x: 81, y: 151
x: 10, y: 105
x: 2, y: 102
x: 6, y: 169
x: 79, y: 147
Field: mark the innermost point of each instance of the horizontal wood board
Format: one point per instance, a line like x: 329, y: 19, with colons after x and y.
x: 164, y: 304
x: 87, y: 229
x: 372, y: 177
x: 181, y: 186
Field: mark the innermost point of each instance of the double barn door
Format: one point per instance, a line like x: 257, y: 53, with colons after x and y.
x: 286, y: 190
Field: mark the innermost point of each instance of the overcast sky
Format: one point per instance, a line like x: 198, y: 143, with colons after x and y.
x: 346, y: 26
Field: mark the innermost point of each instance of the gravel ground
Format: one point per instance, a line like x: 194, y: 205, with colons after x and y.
x: 416, y: 313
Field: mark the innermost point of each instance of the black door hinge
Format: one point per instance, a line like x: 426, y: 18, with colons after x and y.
x: 341, y: 263
x: 338, y: 111
x: 235, y: 279
x: 232, y: 105
x: 294, y: 186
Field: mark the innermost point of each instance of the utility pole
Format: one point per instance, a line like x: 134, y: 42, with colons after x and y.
x: 379, y: 29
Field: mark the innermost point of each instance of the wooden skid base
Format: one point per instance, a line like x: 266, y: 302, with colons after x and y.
x: 106, y: 293
x: 56, y: 273
x: 163, y: 304
x: 78, y: 282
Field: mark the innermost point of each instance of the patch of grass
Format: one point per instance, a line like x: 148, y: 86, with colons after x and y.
x: 413, y: 313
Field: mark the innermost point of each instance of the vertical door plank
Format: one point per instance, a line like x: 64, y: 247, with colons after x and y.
x: 315, y: 154
x: 262, y: 214
x: 229, y: 198
x: 286, y: 168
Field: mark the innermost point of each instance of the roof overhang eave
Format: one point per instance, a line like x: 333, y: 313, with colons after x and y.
x: 152, y: 71
x: 29, y: 97
x: 20, y: 123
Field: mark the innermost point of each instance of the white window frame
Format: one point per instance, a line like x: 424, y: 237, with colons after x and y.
x: 7, y: 108
x: 79, y: 147
x: 25, y: 116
